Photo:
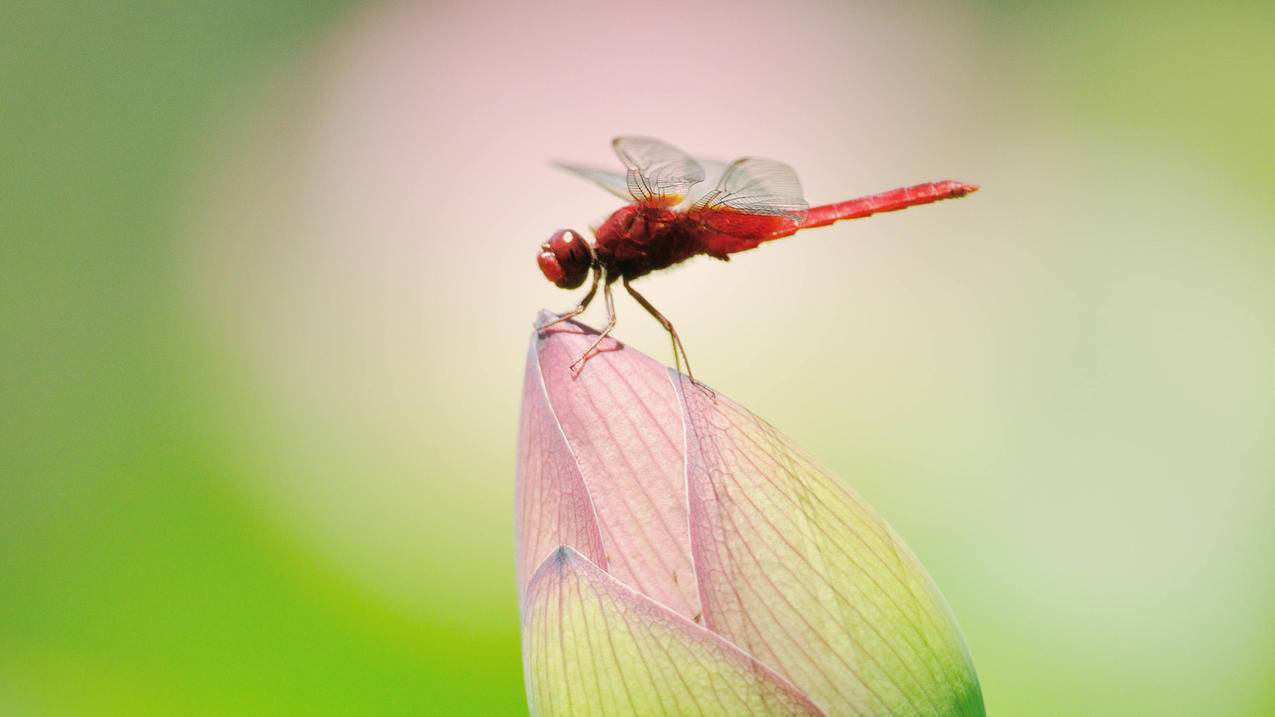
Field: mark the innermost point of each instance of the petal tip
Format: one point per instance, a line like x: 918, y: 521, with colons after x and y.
x: 541, y: 334
x: 562, y: 555
x: 563, y: 558
x: 544, y: 317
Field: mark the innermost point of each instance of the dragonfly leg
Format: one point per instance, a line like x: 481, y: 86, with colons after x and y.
x: 579, y: 309
x: 679, y: 351
x: 578, y: 365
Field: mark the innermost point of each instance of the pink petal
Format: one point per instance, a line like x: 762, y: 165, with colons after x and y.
x: 553, y: 504
x: 621, y: 426
x: 593, y: 646
x: 801, y: 573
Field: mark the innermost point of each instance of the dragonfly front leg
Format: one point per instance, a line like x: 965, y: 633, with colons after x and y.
x: 579, y: 309
x: 578, y: 365
x: 679, y: 351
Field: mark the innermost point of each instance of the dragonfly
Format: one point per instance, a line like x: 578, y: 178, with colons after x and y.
x: 672, y: 214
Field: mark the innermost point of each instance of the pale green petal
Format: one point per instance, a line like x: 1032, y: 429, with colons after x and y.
x: 593, y: 647
x: 802, y: 574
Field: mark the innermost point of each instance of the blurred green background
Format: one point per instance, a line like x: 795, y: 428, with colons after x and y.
x: 267, y: 276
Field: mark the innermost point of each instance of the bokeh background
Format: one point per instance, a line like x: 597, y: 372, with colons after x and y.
x: 267, y: 277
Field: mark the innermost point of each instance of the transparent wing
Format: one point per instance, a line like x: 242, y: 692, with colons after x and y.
x: 659, y: 174
x: 613, y: 182
x: 756, y: 200
x: 757, y: 186
x: 714, y: 170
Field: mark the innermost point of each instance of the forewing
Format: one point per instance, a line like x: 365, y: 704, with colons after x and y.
x: 613, y: 182
x: 659, y: 174
x: 594, y: 646
x: 800, y: 573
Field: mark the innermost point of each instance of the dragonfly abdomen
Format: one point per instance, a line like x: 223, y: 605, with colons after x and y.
x: 890, y: 201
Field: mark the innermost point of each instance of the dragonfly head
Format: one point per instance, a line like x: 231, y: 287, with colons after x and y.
x: 565, y: 259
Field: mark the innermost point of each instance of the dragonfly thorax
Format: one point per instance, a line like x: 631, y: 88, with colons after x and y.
x: 637, y: 240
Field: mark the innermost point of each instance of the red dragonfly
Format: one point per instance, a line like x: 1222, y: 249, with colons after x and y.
x: 673, y: 216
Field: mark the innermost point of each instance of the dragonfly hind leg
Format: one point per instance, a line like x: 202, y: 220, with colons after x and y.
x: 578, y: 365
x: 679, y: 351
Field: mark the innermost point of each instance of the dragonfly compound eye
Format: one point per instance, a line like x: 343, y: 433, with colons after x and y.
x: 565, y: 259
